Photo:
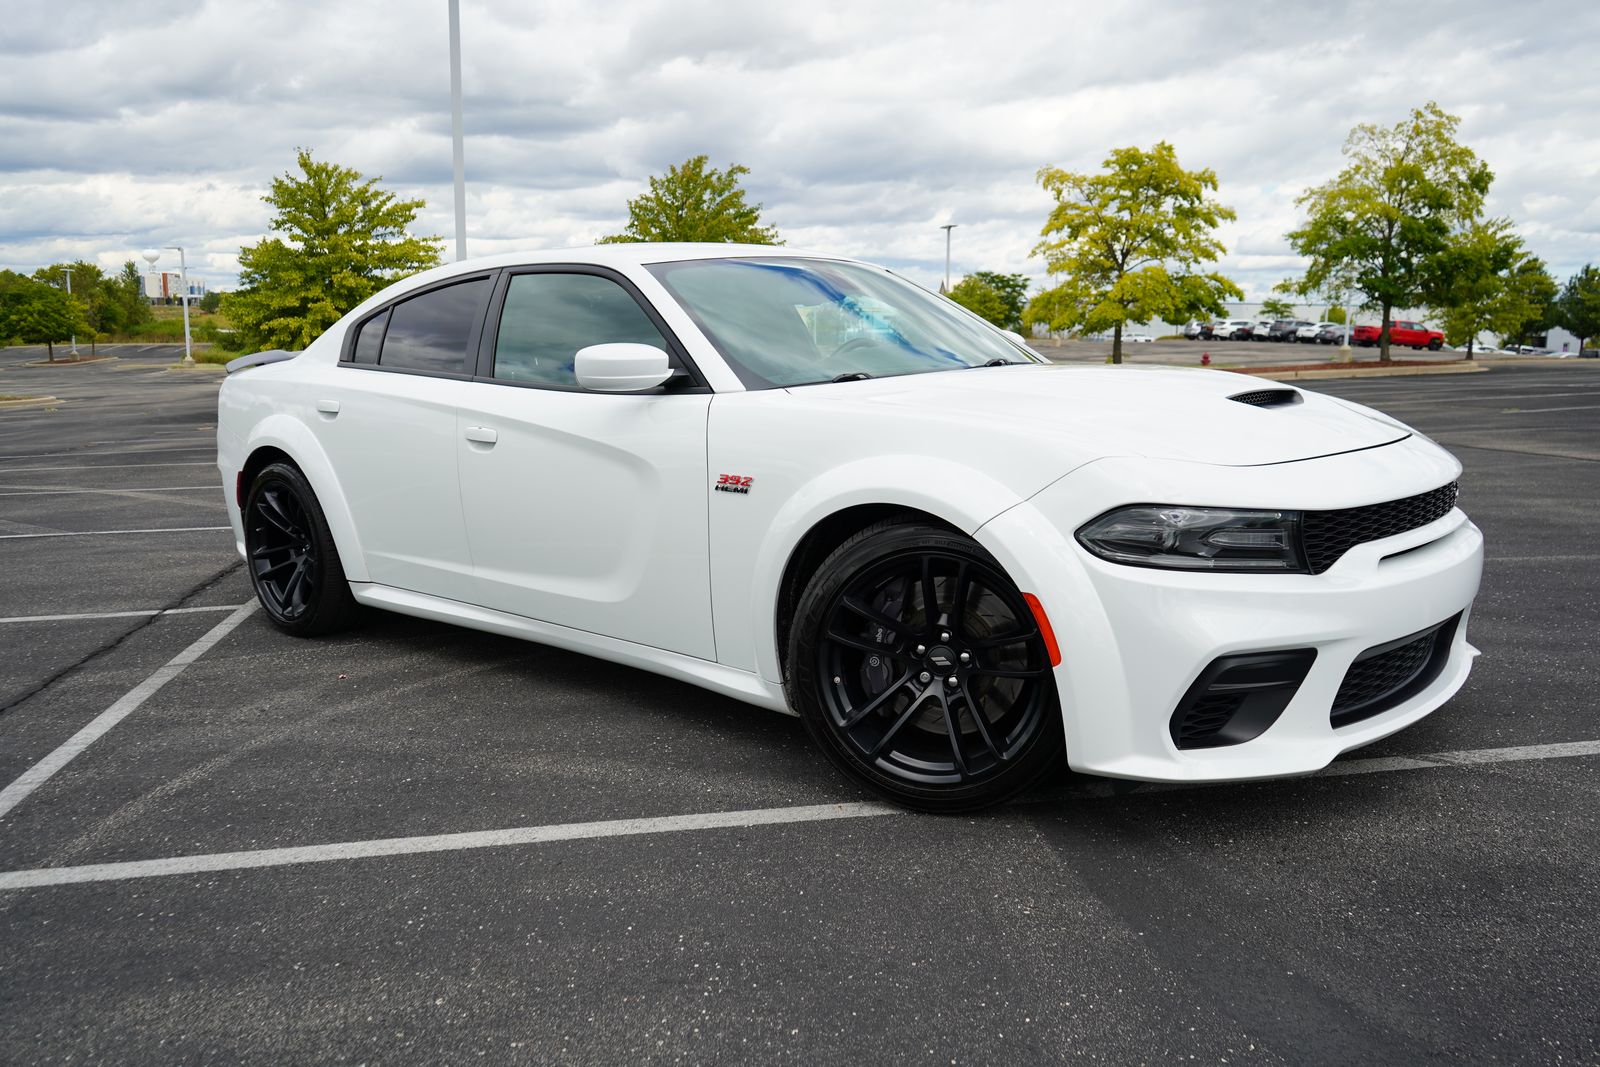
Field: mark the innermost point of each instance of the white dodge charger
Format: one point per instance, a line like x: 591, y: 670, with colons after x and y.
x: 803, y: 482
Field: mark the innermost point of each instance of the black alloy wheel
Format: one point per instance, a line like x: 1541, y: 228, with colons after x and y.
x: 293, y: 562
x: 918, y: 668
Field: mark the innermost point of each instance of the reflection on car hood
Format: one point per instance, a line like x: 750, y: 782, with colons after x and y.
x: 1162, y: 413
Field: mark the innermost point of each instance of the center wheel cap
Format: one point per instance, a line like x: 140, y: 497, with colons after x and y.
x: 941, y: 657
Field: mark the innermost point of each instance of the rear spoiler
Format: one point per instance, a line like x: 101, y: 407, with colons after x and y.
x: 274, y: 355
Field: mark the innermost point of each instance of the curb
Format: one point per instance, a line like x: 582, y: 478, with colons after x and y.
x: 1375, y: 372
x: 28, y: 401
x: 70, y: 363
x: 197, y: 365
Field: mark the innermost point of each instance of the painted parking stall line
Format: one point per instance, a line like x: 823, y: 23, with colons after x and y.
x: 113, y: 492
x: 135, y: 613
x: 588, y: 831
x: 41, y: 772
x: 115, y: 533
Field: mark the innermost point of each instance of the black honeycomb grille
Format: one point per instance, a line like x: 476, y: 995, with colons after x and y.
x: 1205, y: 718
x: 1385, y: 676
x: 1328, y: 535
x: 1267, y: 398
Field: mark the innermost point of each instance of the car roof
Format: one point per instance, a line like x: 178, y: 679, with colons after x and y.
x: 639, y: 253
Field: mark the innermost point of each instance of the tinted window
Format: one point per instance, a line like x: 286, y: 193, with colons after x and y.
x: 369, y: 339
x: 430, y: 332
x: 548, y: 317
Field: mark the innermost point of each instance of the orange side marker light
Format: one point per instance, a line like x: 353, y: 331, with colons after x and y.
x: 1049, y: 635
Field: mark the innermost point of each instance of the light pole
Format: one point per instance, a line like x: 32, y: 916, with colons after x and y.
x: 457, y: 153
x: 947, y: 228
x: 153, y: 254
x: 68, y: 272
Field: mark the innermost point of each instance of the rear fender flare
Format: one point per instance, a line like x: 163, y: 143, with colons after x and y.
x: 290, y: 435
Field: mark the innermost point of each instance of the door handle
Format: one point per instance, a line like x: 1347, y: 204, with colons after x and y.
x: 329, y: 408
x: 482, y: 435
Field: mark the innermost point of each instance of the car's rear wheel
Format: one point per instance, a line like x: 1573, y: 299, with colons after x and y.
x: 1434, y: 344
x: 919, y: 669
x: 294, y: 564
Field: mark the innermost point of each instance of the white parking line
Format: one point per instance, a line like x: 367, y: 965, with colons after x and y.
x: 142, y: 613
x: 119, y: 492
x: 109, y: 452
x: 1540, y: 411
x: 115, y: 533
x: 104, y: 467
x: 40, y: 772
x: 588, y: 831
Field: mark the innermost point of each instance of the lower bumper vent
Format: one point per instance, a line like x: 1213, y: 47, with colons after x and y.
x: 1237, y: 697
x: 1387, y: 675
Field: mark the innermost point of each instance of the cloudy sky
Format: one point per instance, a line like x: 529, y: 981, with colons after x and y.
x: 865, y: 124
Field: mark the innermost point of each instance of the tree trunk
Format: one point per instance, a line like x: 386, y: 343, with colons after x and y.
x: 49, y: 346
x: 1470, y: 342
x: 1383, y: 334
x: 1116, y: 343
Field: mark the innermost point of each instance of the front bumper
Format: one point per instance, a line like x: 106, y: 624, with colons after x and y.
x: 1135, y: 639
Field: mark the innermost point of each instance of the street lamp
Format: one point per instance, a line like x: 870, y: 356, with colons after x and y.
x: 947, y: 228
x: 457, y: 157
x: 68, y: 272
x: 150, y: 257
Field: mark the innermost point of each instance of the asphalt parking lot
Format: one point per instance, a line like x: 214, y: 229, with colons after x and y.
x: 580, y: 863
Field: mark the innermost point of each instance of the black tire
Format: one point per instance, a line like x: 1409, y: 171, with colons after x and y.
x: 903, y: 714
x: 1434, y: 344
x: 293, y: 562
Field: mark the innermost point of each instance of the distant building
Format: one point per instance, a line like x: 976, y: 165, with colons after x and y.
x: 162, y: 287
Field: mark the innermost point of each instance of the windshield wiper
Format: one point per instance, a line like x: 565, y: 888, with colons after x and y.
x: 853, y: 376
x: 1002, y: 363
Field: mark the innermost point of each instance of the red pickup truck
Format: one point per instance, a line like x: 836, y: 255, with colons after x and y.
x: 1410, y: 334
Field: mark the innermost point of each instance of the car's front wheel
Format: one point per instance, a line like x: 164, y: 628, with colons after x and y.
x: 294, y: 564
x: 919, y: 669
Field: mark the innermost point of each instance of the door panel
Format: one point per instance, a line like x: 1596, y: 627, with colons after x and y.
x: 393, y: 442
x: 589, y: 510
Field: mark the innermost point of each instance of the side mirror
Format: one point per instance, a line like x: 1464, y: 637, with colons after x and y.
x: 621, y: 368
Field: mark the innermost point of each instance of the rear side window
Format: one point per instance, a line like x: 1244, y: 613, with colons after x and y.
x: 430, y: 332
x: 369, y: 339
x: 548, y: 317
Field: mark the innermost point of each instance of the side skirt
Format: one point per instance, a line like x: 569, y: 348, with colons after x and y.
x: 740, y: 685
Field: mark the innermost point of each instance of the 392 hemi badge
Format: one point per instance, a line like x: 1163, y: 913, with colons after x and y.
x: 732, y: 483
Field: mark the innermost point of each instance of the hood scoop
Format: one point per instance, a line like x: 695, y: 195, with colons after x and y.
x: 1268, y: 398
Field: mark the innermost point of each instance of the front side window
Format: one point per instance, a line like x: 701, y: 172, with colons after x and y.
x: 431, y: 332
x: 791, y: 321
x: 548, y: 317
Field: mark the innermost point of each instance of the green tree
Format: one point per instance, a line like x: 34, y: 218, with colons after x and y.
x: 1382, y: 222
x: 344, y: 238
x: 127, y: 291
x: 1335, y: 314
x: 1470, y: 286
x: 695, y: 202
x: 1129, y: 244
x: 210, y: 302
x: 1577, y: 309
x: 98, y: 305
x: 1013, y: 292
x: 981, y: 298
x: 1275, y: 307
x: 35, y: 312
x: 1530, y: 299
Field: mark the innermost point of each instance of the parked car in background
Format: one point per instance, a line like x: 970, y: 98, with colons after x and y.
x: 1283, y: 330
x: 1197, y: 331
x: 1401, y: 334
x: 1259, y: 330
x: 1139, y: 338
x: 1331, y: 334
x: 1231, y: 330
x: 1307, y: 333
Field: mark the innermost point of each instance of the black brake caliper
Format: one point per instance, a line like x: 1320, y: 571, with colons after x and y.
x: 875, y: 668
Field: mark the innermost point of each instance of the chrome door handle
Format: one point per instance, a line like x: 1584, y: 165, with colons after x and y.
x: 482, y: 435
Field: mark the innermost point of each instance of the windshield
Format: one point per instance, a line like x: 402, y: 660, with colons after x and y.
x: 781, y: 322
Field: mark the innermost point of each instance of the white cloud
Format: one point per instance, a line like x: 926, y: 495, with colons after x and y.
x: 865, y: 126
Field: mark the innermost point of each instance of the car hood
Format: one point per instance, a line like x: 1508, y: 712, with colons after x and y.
x: 1161, y: 413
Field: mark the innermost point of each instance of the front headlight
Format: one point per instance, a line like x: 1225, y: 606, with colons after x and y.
x: 1194, y: 539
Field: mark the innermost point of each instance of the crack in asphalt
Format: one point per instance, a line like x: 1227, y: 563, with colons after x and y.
x: 116, y: 642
